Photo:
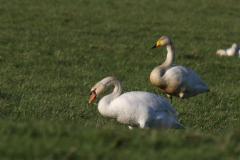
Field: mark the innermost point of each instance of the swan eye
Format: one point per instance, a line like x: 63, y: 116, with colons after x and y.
x: 93, y: 91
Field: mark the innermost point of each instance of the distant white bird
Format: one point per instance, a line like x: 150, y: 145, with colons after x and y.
x: 233, y: 51
x: 175, y: 80
x: 134, y: 108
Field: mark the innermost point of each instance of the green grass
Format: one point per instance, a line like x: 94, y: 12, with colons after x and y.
x: 53, y: 52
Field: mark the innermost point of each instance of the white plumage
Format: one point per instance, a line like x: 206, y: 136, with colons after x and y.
x: 233, y: 51
x: 175, y: 80
x: 145, y: 109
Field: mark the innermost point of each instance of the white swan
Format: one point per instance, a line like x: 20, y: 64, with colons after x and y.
x: 175, y: 80
x: 233, y: 51
x: 134, y: 108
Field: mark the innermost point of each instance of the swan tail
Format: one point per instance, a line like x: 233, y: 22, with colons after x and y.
x: 173, y: 114
x: 173, y: 122
x: 201, y: 89
x: 221, y: 52
x: 178, y: 125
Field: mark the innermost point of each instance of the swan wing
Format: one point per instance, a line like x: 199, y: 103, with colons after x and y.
x: 229, y: 51
x: 145, y: 99
x: 184, y: 75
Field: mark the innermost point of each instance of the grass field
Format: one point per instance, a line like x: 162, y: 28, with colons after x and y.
x: 53, y: 52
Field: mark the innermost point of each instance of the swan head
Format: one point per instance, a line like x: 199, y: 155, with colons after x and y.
x: 100, y: 87
x: 235, y: 46
x: 97, y: 89
x: 163, y: 41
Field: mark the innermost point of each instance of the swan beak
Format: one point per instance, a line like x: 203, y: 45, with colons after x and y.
x: 154, y: 46
x: 93, y: 96
x: 157, y: 44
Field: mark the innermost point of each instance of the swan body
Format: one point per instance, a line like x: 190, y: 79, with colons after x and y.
x: 176, y: 80
x: 134, y: 108
x: 233, y: 51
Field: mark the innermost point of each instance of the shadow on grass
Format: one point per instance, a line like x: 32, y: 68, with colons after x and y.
x: 5, y: 96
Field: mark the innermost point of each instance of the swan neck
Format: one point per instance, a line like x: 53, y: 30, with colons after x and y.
x: 117, y: 89
x: 104, y: 106
x: 234, y: 50
x: 170, y: 56
x: 156, y: 76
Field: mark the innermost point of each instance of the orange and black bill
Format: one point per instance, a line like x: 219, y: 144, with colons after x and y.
x: 154, y: 46
x: 157, y: 44
x: 93, y: 96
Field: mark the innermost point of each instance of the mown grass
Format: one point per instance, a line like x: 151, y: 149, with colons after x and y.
x: 52, y: 52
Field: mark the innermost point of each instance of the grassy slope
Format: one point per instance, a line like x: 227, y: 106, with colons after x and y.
x: 53, y: 52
